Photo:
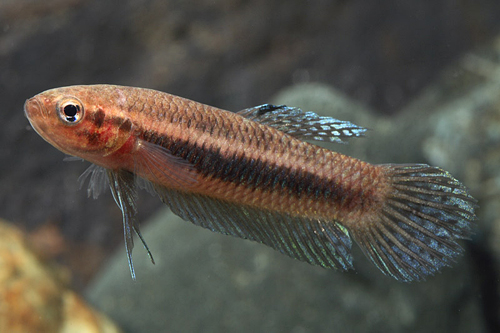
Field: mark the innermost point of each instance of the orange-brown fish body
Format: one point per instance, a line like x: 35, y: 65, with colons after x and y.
x: 110, y: 137
x: 255, y: 167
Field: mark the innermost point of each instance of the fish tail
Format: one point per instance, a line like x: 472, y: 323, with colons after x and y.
x: 416, y: 230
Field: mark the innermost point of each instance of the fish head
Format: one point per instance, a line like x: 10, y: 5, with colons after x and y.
x: 80, y: 121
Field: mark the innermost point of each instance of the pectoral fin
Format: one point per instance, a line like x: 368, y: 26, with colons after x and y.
x: 165, y: 167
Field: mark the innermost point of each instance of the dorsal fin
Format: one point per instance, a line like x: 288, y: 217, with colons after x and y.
x: 302, y: 125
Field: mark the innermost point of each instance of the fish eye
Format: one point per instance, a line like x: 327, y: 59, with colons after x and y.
x: 70, y: 110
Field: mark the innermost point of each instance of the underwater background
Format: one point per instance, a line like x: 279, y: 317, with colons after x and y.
x: 423, y: 77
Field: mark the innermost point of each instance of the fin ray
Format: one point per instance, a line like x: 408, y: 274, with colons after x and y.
x: 98, y: 182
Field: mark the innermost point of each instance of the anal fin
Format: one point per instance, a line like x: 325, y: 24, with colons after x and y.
x: 318, y: 242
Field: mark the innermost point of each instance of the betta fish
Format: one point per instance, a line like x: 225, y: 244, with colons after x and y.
x: 254, y: 174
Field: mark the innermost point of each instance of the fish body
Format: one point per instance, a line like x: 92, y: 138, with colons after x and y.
x: 252, y: 174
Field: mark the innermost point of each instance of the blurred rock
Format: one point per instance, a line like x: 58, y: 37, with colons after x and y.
x: 466, y: 140
x: 34, y: 297
x: 454, y: 124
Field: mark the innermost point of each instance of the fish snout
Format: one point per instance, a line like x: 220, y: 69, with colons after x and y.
x: 33, y: 108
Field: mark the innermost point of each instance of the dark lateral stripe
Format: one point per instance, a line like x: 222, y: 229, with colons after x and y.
x: 253, y: 173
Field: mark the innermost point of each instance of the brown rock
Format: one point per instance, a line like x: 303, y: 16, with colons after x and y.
x: 34, y: 296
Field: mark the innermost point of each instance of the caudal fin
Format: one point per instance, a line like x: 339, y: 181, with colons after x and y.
x: 417, y: 230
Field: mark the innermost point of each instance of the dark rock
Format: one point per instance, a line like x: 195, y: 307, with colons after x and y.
x: 208, y: 282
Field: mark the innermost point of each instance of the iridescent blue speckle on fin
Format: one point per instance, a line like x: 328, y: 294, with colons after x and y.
x: 303, y: 125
